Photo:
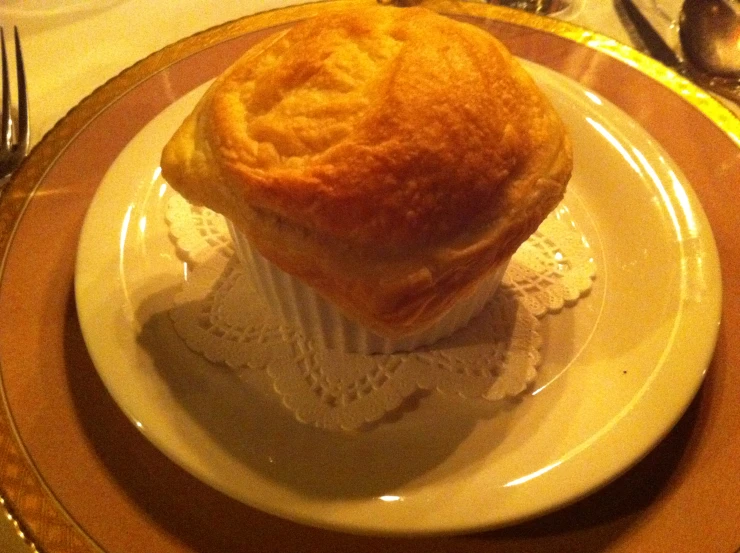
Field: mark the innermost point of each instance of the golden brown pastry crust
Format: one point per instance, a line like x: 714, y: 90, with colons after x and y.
x: 389, y: 157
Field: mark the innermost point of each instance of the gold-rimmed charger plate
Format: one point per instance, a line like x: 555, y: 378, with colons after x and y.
x: 60, y: 178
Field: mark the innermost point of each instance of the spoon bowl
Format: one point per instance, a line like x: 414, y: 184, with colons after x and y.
x: 709, y: 31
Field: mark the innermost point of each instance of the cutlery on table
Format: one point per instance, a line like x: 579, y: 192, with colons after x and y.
x: 710, y: 36
x: 16, y: 137
x: 694, y: 30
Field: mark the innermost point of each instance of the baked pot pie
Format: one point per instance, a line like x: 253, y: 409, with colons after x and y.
x: 387, y: 160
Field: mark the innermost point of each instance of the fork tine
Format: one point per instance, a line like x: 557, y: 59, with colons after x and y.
x: 24, y: 131
x: 6, y: 125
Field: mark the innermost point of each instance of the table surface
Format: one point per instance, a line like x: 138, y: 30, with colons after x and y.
x: 683, y: 469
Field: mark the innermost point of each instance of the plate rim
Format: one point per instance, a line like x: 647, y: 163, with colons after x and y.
x: 639, y: 445
x: 637, y: 405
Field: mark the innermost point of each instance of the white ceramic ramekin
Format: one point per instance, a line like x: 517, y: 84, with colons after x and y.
x: 297, y: 304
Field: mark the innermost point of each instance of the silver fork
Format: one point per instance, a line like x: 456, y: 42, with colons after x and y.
x: 16, y: 136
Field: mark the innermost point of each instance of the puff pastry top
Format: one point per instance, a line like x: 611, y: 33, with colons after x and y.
x: 388, y: 157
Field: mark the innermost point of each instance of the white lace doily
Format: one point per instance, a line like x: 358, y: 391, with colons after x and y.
x: 220, y: 316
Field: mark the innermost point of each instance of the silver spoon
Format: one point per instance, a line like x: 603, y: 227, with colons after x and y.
x: 709, y: 31
x: 690, y: 60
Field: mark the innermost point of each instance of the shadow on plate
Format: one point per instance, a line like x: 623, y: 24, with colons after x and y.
x: 184, y: 506
x: 418, y: 444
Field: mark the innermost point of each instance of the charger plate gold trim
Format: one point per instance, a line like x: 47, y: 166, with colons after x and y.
x: 41, y: 521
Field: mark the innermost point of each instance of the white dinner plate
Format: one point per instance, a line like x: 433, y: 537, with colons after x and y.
x: 618, y: 369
